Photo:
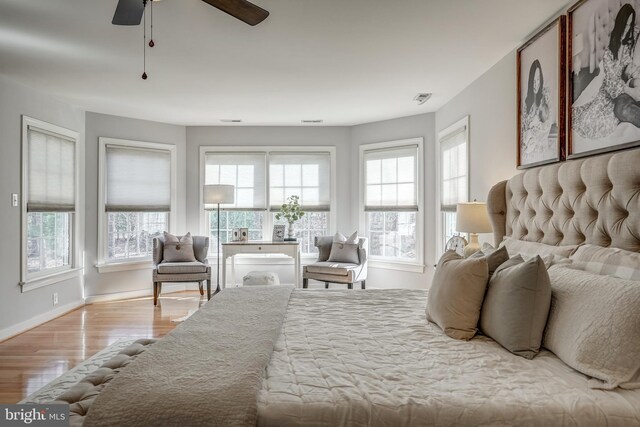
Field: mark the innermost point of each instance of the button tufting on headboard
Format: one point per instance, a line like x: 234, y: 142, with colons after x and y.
x: 594, y: 200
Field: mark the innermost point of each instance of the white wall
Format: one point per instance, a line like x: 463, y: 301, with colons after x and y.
x: 18, y: 307
x: 490, y: 102
x: 421, y: 125
x: 101, y: 125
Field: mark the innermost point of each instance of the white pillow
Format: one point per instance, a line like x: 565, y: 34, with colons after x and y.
x: 609, y: 261
x: 550, y: 254
x: 351, y: 240
x: 594, y: 326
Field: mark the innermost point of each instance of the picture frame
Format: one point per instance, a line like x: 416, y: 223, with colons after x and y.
x: 541, y: 97
x: 603, y: 117
x: 240, y: 235
x: 278, y: 233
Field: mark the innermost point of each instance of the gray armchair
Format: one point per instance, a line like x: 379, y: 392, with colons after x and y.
x: 197, y: 271
x: 336, y: 272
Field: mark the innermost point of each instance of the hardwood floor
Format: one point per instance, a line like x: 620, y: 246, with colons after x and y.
x: 32, y: 359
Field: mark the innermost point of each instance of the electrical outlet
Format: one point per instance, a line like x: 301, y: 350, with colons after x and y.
x: 55, y: 298
x: 14, y: 200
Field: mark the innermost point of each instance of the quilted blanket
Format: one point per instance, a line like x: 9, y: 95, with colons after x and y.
x: 370, y: 359
x: 206, y: 372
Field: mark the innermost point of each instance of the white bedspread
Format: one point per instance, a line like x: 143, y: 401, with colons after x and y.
x: 369, y: 358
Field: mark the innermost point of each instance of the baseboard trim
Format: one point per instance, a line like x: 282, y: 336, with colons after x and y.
x: 116, y: 296
x: 38, y: 320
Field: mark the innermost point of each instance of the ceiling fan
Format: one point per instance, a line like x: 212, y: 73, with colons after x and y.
x: 129, y: 12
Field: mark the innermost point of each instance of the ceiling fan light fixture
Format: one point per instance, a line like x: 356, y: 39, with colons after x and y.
x: 421, y: 98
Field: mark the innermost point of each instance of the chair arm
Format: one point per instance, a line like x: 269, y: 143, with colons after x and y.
x: 200, y: 248
x: 158, y: 250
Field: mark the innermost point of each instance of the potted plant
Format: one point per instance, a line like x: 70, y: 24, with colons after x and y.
x: 291, y: 212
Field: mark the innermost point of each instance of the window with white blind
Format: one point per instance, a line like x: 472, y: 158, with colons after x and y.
x: 50, y: 179
x: 247, y: 173
x: 391, y: 208
x: 263, y: 181
x: 136, y: 197
x: 307, y: 175
x: 454, y: 177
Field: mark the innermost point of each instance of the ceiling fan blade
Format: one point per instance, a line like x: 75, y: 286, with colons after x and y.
x: 241, y: 9
x: 128, y: 12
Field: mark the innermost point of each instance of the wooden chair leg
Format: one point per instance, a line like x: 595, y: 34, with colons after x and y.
x: 156, y: 294
x: 305, y: 283
x: 350, y: 286
x: 326, y: 285
x: 201, y: 287
x: 363, y: 283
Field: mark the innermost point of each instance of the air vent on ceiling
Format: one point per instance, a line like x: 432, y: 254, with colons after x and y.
x: 421, y: 98
x: 231, y: 121
x: 312, y: 121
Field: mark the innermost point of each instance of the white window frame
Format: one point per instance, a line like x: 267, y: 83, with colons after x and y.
x: 383, y: 262
x: 267, y: 225
x: 105, y: 265
x: 443, y: 134
x: 29, y: 282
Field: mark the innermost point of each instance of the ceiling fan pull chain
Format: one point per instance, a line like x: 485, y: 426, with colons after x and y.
x: 144, y: 41
x: 151, y: 42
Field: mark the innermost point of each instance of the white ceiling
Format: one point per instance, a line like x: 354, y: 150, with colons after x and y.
x: 343, y: 61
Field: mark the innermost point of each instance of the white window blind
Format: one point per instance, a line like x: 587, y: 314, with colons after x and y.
x: 306, y: 175
x: 454, y: 171
x: 391, y: 179
x: 51, y: 172
x: 137, y: 179
x: 245, y: 171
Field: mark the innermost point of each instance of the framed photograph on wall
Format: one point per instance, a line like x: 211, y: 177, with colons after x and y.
x: 604, y: 77
x: 541, y: 69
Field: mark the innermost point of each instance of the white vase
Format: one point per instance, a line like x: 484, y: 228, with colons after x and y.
x: 290, y: 236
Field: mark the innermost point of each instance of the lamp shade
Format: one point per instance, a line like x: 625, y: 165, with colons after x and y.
x: 214, y: 194
x: 473, y: 218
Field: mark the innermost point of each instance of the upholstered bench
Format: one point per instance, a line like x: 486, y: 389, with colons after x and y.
x: 80, y: 396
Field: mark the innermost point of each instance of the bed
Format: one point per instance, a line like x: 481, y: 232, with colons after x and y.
x: 285, y: 357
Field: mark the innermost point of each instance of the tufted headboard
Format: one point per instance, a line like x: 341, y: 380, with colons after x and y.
x: 594, y: 200
x: 595, y: 21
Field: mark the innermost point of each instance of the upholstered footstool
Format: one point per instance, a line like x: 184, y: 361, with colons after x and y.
x: 260, y: 278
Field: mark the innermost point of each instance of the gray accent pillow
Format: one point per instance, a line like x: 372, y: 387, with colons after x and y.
x: 456, y: 294
x: 495, y: 257
x: 344, y: 252
x: 178, y: 249
x: 516, y: 306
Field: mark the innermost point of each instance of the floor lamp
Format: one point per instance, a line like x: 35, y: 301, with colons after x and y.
x: 217, y: 195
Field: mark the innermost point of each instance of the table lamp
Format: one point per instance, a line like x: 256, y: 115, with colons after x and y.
x: 472, y: 218
x: 218, y: 195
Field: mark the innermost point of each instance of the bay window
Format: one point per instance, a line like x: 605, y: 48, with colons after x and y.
x: 50, y: 193
x: 453, y: 179
x: 263, y: 181
x: 391, y: 208
x: 136, y: 198
x: 247, y: 173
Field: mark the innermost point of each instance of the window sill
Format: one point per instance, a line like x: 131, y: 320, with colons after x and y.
x: 50, y: 279
x: 396, y: 265
x: 111, y: 267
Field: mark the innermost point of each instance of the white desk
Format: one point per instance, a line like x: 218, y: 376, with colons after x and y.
x: 291, y: 249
